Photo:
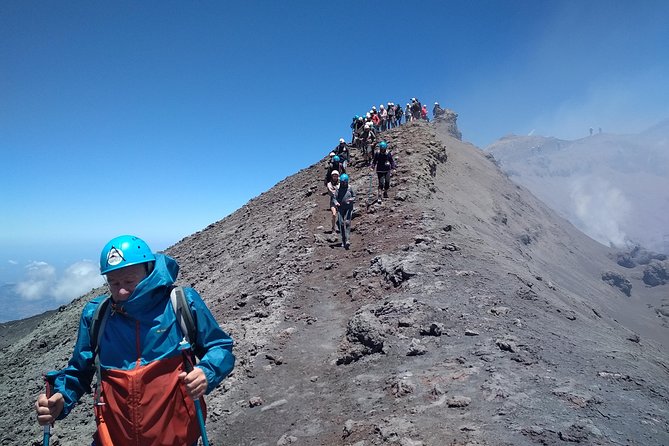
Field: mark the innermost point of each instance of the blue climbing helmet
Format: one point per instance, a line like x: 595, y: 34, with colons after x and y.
x: 343, y: 178
x: 124, y: 250
x: 335, y: 159
x: 383, y: 145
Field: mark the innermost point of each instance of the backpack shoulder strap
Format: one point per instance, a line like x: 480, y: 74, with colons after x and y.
x: 184, y: 315
x: 97, y: 324
x: 95, y: 335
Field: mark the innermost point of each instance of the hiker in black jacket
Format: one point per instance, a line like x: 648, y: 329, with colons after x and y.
x: 415, y: 109
x: 344, y: 200
x: 398, y: 114
x: 342, y: 151
x: 334, y: 165
x: 383, y: 162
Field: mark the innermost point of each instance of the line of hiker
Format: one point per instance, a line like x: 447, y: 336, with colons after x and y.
x: 390, y: 116
x: 364, y: 129
x: 342, y: 195
x: 375, y: 154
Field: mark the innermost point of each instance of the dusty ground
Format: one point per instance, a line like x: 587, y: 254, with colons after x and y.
x: 465, y: 313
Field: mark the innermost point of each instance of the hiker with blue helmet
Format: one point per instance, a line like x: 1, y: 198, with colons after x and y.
x: 344, y: 200
x: 383, y: 163
x: 141, y: 356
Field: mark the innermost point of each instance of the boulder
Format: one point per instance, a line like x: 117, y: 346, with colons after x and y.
x: 619, y: 281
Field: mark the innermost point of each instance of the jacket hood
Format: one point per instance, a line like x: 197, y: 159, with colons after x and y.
x: 153, y: 289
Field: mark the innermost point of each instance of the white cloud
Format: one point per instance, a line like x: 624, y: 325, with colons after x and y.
x: 41, y: 281
x: 79, y: 278
x: 38, y: 281
x: 13, y: 262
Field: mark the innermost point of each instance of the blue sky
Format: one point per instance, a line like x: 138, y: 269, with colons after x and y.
x: 159, y: 118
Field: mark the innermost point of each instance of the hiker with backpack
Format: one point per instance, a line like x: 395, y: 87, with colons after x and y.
x: 398, y: 114
x: 334, y: 165
x: 344, y: 200
x: 415, y: 109
x: 383, y: 163
x: 342, y: 151
x: 392, y: 123
x: 383, y: 115
x: 368, y: 138
x: 356, y: 127
x: 142, y: 342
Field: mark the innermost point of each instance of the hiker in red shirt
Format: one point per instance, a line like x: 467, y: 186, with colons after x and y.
x: 423, y: 113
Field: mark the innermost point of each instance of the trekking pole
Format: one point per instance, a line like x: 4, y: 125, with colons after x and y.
x: 47, y: 427
x: 188, y: 366
x: 369, y: 193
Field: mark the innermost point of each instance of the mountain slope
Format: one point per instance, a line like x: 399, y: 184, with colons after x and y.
x: 613, y: 187
x: 466, y: 312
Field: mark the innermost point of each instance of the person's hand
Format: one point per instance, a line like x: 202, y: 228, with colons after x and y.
x: 48, y: 409
x: 195, y: 381
x: 337, y: 204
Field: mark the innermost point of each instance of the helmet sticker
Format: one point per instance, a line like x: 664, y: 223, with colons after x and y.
x: 115, y: 256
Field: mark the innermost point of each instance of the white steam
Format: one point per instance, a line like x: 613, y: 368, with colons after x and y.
x: 601, y: 210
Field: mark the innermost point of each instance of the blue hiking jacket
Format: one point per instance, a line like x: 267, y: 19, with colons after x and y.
x: 141, y: 330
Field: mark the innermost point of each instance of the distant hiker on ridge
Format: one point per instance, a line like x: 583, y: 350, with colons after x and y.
x: 391, y: 115
x: 384, y: 117
x: 376, y: 120
x: 368, y: 138
x: 398, y: 114
x: 437, y: 110
x: 415, y: 109
x: 143, y: 353
x: 356, y: 127
x: 344, y: 202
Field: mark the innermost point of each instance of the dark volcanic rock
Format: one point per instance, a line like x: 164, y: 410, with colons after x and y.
x: 625, y: 260
x: 655, y: 273
x: 619, y: 281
